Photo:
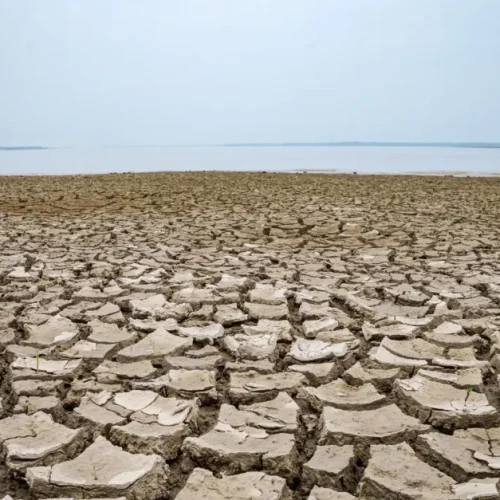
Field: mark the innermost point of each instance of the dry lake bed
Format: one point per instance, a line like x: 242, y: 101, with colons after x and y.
x: 220, y: 336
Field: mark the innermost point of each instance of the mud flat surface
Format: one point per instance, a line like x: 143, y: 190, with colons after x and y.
x: 250, y: 337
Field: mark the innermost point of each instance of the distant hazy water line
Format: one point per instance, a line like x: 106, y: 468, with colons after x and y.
x: 390, y: 160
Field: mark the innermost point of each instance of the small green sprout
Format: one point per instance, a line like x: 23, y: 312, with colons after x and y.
x: 469, y: 391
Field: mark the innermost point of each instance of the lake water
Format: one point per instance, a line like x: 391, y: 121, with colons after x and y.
x: 364, y: 160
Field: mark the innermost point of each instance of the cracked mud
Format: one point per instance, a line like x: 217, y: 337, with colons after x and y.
x: 249, y: 337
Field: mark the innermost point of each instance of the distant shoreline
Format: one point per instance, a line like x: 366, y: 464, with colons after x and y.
x: 471, y: 145
x: 21, y: 148
x: 457, y: 174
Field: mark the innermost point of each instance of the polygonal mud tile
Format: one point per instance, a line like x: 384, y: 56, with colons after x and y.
x: 307, y: 351
x: 229, y: 314
x: 112, y: 372
x: 203, y: 352
x: 132, y: 400
x: 251, y: 386
x: 159, y: 309
x: 388, y: 359
x: 184, y: 384
x: 90, y: 294
x: 232, y: 283
x: 109, y: 333
x: 477, y: 489
x: 311, y: 296
x: 231, y: 450
x: 203, y: 315
x: 449, y: 334
x: 41, y: 368
x: 388, y: 309
x: 77, y: 311
x: 102, y: 470
x: 187, y: 363
x: 442, y: 405
x: 265, y: 311
x: 157, y: 425
x: 66, y: 498
x: 30, y: 440
x: 33, y: 318
x: 251, y: 347
x: 406, y: 294
x: 313, y: 327
x: 395, y: 472
x: 459, y: 358
x: 203, y: 484
x: 56, y: 331
x: 113, y: 290
x: 156, y: 345
x: 343, y: 396
x: 447, y: 287
x: 330, y: 467
x: 149, y: 325
x: 387, y: 425
x: 465, y: 455
x: 155, y: 306
x: 318, y: 493
x: 209, y: 332
x: 418, y: 349
x: 382, y: 379
x: 263, y: 366
x: 394, y: 331
x: 281, y: 328
x: 196, y: 296
x: 19, y: 274
x: 226, y: 297
x: 277, y: 415
x: 84, y: 349
x: 308, y: 311
x: 317, y: 373
x: 267, y: 294
x: 338, y: 336
x: 13, y: 351
x: 480, y: 302
x: 34, y: 387
x: 183, y: 277
x: 33, y: 404
x: 7, y: 336
x: 359, y: 305
x: 443, y: 312
x: 458, y: 378
x: 108, y: 313
x: 92, y: 412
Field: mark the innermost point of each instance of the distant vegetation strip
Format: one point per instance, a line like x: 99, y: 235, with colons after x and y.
x: 371, y: 144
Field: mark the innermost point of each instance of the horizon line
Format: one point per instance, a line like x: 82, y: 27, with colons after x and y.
x: 464, y: 144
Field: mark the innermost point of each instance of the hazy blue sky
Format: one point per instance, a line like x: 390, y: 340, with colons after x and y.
x: 116, y: 72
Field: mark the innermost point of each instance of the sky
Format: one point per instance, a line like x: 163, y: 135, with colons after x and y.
x: 162, y: 72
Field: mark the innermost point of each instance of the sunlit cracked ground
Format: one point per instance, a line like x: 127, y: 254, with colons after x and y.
x: 249, y: 336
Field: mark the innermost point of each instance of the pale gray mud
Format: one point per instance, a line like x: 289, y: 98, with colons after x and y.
x: 228, y: 336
